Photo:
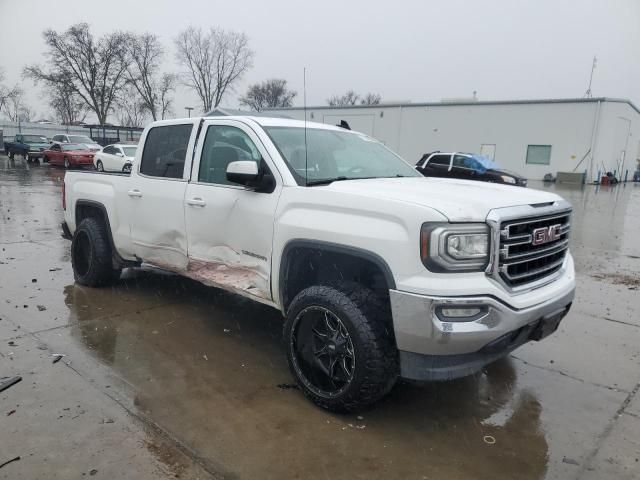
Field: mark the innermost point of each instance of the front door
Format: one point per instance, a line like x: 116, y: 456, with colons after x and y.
x: 229, y: 226
x: 156, y: 196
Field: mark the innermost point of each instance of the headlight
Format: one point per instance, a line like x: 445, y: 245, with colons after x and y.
x: 450, y: 247
x: 465, y: 246
x: 506, y: 179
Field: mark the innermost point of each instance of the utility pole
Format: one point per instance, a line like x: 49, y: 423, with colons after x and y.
x: 587, y: 94
x: 188, y: 109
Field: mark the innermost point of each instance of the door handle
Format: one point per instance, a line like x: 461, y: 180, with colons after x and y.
x: 134, y: 193
x: 196, y: 202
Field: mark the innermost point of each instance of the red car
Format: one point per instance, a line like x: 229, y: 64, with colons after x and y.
x: 68, y: 154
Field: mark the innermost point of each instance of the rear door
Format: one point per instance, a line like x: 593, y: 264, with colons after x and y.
x: 156, y: 194
x: 438, y: 166
x: 229, y: 226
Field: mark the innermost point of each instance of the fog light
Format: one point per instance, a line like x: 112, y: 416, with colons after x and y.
x: 460, y: 314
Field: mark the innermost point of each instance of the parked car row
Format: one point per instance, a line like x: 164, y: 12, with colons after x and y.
x: 72, y: 151
x: 79, y: 150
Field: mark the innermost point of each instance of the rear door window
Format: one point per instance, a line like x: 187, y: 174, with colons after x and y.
x: 165, y: 151
x: 440, y: 160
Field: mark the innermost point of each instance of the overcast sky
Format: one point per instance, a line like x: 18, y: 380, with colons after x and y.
x: 404, y: 50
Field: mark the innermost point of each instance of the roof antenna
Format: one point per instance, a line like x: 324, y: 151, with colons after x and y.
x: 304, y: 101
x: 588, y: 94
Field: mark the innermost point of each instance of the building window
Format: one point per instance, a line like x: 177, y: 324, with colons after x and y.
x: 539, y: 154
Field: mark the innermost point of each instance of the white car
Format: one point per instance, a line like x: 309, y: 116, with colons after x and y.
x: 115, y: 158
x: 83, y: 139
x: 379, y: 272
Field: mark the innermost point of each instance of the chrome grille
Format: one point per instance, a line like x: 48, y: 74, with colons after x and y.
x: 520, y: 260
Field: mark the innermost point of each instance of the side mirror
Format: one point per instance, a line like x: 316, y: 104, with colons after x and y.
x: 243, y: 172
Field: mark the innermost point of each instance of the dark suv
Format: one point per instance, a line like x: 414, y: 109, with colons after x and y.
x: 468, y: 166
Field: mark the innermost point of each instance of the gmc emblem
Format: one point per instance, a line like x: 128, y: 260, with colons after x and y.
x: 546, y: 234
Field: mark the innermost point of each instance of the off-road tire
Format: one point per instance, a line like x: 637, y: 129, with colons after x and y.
x: 91, y: 255
x: 376, y: 357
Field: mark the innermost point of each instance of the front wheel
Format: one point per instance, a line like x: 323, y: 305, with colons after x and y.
x: 339, y: 349
x: 67, y: 165
x: 99, y: 166
x: 91, y: 254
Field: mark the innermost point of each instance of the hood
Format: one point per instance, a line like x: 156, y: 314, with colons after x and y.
x: 506, y: 172
x: 458, y: 200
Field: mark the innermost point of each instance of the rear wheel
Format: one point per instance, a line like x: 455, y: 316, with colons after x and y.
x: 67, y: 165
x: 99, y: 166
x: 91, y: 254
x: 339, y: 351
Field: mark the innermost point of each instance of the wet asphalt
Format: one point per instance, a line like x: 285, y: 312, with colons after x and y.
x: 165, y: 378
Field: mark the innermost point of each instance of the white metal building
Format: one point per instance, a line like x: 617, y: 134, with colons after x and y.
x: 531, y: 137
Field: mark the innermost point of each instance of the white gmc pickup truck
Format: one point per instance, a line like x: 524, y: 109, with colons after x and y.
x: 379, y: 272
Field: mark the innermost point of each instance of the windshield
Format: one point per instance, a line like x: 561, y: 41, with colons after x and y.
x: 484, y: 162
x: 80, y: 139
x: 73, y: 146
x: 332, y: 154
x: 34, y: 139
x: 129, y: 151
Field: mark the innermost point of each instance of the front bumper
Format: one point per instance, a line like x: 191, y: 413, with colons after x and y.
x: 81, y: 160
x: 35, y: 154
x: 433, y: 349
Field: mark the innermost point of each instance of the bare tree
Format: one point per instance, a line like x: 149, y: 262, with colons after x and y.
x: 16, y: 108
x: 6, y: 93
x: 131, y: 109
x: 213, y: 61
x: 371, y: 99
x: 67, y: 105
x: 352, y: 98
x: 93, y: 67
x: 146, y: 54
x: 348, y: 99
x: 165, y: 102
x: 271, y: 93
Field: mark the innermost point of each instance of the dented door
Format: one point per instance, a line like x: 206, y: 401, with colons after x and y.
x: 229, y: 227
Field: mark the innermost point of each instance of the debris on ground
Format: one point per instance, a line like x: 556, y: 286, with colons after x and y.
x: 570, y: 461
x: 205, y: 356
x: 57, y: 357
x: 489, y: 439
x: 630, y: 281
x: 11, y: 343
x: 9, y: 461
x: 11, y: 413
x: 108, y: 420
x: 287, y: 386
x: 6, y: 382
x: 42, y: 346
x: 55, y: 269
x: 41, y: 308
x: 34, y: 280
x: 93, y: 472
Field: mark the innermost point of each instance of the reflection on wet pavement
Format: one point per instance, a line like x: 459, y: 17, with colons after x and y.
x: 205, y: 365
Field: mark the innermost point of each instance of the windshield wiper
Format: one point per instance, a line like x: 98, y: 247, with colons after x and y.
x: 326, y: 181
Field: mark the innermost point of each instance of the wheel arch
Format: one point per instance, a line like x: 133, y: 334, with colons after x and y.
x: 90, y: 208
x: 307, y: 262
